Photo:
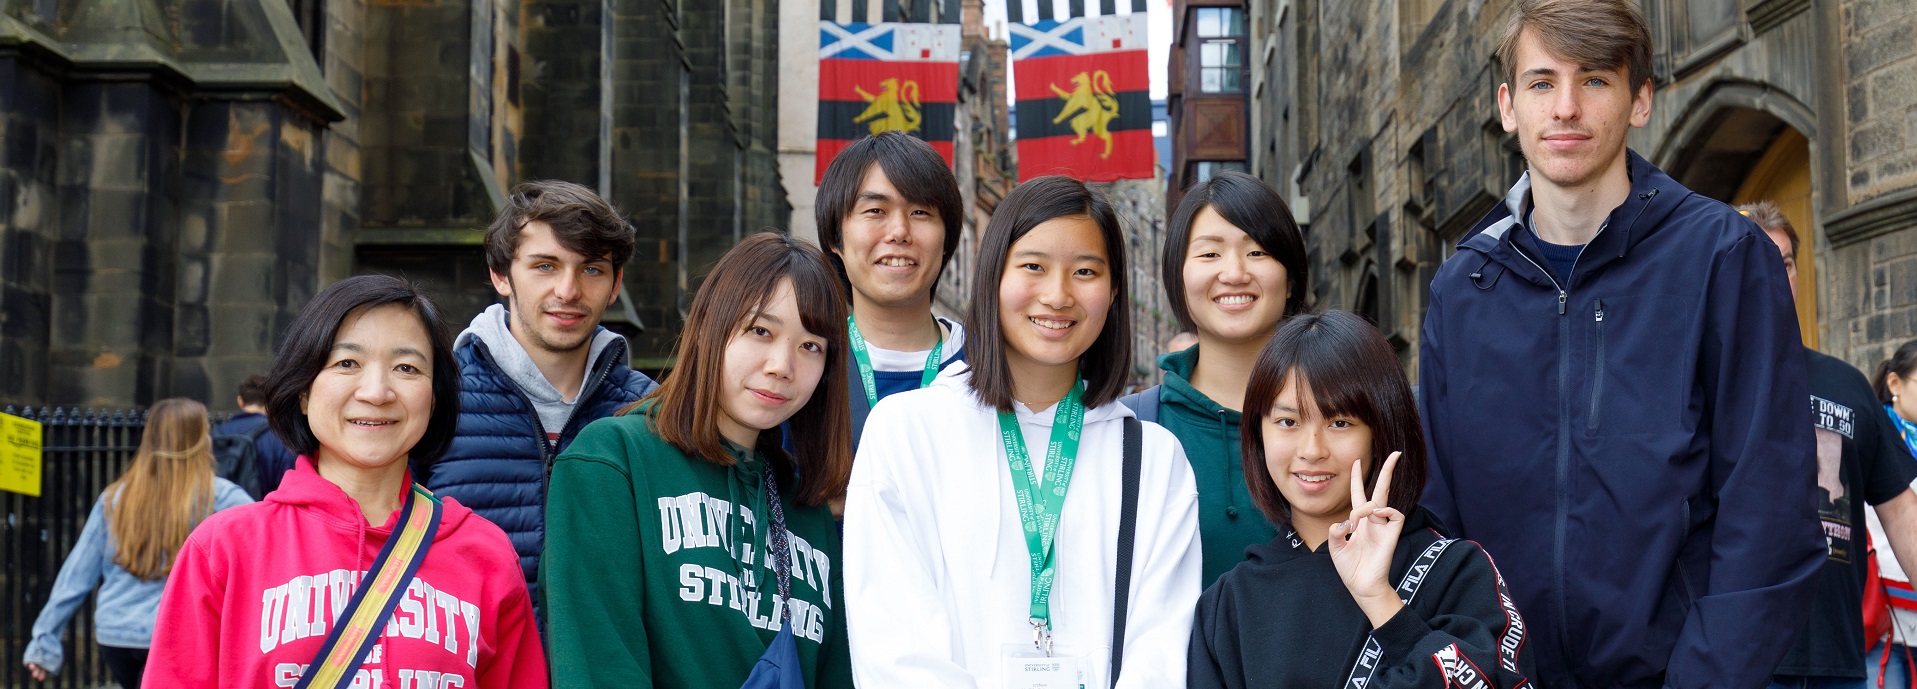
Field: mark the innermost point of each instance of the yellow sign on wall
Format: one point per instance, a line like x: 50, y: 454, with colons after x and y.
x: 19, y: 455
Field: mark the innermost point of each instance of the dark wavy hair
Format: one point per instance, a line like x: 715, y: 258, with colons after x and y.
x: 581, y: 222
x: 1344, y: 367
x: 1107, y: 362
x: 309, y: 342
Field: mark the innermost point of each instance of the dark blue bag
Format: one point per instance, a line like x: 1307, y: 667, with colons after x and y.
x: 778, y: 668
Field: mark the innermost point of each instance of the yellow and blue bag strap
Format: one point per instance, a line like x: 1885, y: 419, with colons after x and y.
x: 359, y: 624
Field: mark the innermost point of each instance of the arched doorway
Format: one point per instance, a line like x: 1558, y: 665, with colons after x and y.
x: 1782, y: 176
x: 1734, y: 152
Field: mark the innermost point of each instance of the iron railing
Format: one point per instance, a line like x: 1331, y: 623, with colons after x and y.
x: 82, y: 452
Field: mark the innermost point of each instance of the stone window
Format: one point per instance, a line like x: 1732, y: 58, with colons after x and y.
x: 1204, y: 170
x: 1688, y: 34
x: 1221, y: 49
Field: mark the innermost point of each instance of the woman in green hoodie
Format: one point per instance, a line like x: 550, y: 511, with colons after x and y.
x: 664, y: 547
x: 1234, y: 267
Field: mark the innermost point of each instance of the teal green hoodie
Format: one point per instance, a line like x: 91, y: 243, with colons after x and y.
x: 1228, y: 521
x: 655, y: 572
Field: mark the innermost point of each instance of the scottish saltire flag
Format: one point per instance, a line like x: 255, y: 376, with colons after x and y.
x: 883, y: 77
x: 1084, y: 98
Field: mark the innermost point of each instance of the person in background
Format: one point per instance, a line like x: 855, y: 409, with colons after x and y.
x: 688, y: 546
x: 889, y: 216
x: 537, y: 369
x: 958, y: 487
x: 268, y: 593
x: 129, y: 542
x: 1613, y: 386
x: 1362, y: 589
x: 1185, y: 339
x: 1234, y: 267
x: 271, y: 457
x: 1889, y: 661
x: 1861, y: 459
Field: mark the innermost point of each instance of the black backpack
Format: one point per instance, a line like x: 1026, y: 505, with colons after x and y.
x: 237, y: 458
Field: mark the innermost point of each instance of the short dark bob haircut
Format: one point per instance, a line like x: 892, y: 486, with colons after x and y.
x: 915, y: 169
x: 685, y: 408
x: 1106, y: 364
x: 1343, y: 368
x: 1247, y: 203
x: 309, y: 343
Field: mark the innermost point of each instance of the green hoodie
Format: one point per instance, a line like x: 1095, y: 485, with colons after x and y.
x: 1228, y: 521
x: 653, y: 571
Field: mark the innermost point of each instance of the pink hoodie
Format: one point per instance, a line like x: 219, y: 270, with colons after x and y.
x: 257, y: 588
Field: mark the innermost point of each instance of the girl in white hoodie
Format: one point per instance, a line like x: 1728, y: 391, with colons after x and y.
x: 982, y: 519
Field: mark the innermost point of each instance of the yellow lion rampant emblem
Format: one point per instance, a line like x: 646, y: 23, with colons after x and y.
x: 895, y: 108
x: 1092, y: 104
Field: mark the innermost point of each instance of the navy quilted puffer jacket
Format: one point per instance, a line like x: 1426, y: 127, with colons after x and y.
x: 499, y: 462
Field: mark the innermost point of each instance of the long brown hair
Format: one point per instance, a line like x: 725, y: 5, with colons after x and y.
x: 165, y: 493
x: 685, y: 408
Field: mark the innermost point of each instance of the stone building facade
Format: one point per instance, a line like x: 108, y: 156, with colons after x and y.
x: 1207, y: 91
x: 1379, y: 120
x: 181, y: 176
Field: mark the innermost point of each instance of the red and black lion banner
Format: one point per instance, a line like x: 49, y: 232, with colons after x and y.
x: 1084, y: 98
x: 884, y: 77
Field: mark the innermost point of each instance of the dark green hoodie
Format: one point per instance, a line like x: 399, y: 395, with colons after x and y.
x: 655, y: 572
x: 1228, y: 521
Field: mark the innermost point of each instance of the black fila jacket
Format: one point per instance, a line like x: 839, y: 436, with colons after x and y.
x: 1283, y: 618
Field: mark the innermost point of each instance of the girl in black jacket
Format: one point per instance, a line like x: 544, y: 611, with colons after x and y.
x: 1360, y: 589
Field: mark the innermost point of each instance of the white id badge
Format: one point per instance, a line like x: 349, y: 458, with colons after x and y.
x: 1068, y: 667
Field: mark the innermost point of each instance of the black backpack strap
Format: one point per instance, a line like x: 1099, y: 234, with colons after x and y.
x: 1127, y: 533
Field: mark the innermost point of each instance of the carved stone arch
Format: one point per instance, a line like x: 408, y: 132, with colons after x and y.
x: 1725, y: 130
x: 1364, y: 301
x: 1744, y: 142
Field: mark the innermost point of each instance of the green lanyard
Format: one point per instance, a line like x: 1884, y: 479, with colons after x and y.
x: 865, y: 361
x: 1041, y: 503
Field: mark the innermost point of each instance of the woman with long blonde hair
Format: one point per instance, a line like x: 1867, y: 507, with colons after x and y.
x: 130, y: 539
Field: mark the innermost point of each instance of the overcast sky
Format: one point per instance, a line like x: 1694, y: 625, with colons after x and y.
x: 1161, y: 33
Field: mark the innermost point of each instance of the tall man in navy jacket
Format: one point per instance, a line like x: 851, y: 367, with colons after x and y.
x: 1613, y: 387
x: 535, y: 370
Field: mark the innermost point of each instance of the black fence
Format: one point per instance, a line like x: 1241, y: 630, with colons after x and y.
x: 82, y: 452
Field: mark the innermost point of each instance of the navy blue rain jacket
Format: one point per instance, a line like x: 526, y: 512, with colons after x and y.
x: 1631, y: 445
x: 499, y: 462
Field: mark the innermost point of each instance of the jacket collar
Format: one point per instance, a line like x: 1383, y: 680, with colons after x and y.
x: 1502, y: 234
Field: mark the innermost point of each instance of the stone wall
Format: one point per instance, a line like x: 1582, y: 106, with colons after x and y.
x: 1382, y: 129
x: 158, y: 197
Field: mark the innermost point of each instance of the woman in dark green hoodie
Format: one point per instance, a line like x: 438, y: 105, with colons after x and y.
x: 663, y: 542
x: 1234, y: 267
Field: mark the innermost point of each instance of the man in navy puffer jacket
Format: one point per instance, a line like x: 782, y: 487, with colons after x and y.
x: 1613, y: 387
x: 536, y: 370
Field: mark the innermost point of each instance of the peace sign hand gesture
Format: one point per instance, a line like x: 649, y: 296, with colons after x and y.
x: 1361, y: 547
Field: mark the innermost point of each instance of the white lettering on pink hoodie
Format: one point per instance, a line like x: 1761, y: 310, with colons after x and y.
x: 256, y: 590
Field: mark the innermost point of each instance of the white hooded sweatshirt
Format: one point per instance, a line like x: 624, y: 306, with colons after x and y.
x: 937, y: 574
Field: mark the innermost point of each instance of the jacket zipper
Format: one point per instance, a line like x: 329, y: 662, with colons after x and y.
x: 1597, y: 367
x: 1564, y: 425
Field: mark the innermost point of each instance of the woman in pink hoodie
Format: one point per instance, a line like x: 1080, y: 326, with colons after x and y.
x: 365, y: 381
